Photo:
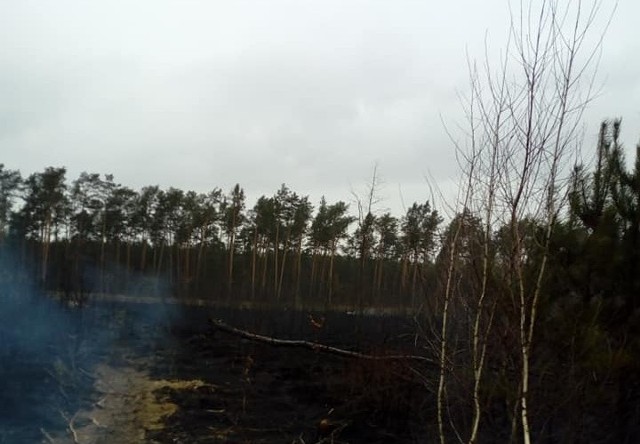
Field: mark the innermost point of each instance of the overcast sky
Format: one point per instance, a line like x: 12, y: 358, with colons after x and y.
x: 198, y: 94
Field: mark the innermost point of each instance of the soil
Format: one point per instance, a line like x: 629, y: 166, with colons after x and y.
x: 143, y: 376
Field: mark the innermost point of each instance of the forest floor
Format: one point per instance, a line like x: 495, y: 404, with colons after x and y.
x: 137, y: 376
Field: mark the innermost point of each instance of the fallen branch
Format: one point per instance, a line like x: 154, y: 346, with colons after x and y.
x: 220, y: 325
x: 70, y: 426
x: 46, y: 435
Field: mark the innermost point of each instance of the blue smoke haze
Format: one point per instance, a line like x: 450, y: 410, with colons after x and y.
x: 46, y: 345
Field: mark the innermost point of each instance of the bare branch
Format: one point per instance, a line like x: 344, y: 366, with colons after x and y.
x: 222, y: 326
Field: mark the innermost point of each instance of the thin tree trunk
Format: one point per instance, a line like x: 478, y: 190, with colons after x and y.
x: 380, y: 276
x: 143, y: 255
x: 187, y: 267
x: 333, y: 254
x: 298, y: 271
x: 282, y: 267
x: 159, y: 258
x: 374, y: 280
x: 443, y: 335
x: 128, y: 266
x: 265, y: 265
x: 314, y: 256
x: 323, y: 268
x: 46, y: 237
x: 118, y: 283
x: 254, y: 256
x: 276, y: 253
x: 230, y: 274
x: 103, y: 253
x: 198, y: 271
x: 404, y: 272
x: 414, y: 280
x: 172, y: 277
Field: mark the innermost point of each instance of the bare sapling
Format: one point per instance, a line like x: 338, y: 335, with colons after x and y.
x: 524, y: 120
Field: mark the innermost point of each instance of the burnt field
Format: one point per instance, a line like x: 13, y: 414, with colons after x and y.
x: 123, y: 372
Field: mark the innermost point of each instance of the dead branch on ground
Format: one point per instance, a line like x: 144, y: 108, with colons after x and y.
x: 70, y: 425
x: 220, y: 325
x: 47, y: 436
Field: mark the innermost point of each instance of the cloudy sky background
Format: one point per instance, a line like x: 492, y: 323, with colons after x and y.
x: 199, y: 94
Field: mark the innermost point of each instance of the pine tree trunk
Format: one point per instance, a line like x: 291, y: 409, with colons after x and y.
x: 254, y: 254
x: 413, y: 284
x: 323, y: 268
x: 143, y: 255
x: 297, y: 271
x: 282, y: 266
x: 46, y: 240
x: 333, y: 254
x: 171, y: 270
x: 380, y: 274
x: 314, y: 257
x: 198, y: 270
x: 230, y: 276
x: 265, y: 264
x: 128, y: 267
x: 102, y: 255
x: 187, y: 268
x: 403, y: 273
x: 160, y: 255
x: 118, y: 284
x: 276, y: 252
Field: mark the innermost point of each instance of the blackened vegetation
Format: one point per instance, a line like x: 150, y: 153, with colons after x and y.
x: 245, y: 391
x: 48, y: 358
x: 265, y: 394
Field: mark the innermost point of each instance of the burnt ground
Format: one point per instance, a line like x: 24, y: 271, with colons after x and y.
x: 138, y: 374
x: 260, y: 393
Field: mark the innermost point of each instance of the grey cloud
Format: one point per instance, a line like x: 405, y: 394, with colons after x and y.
x: 204, y: 94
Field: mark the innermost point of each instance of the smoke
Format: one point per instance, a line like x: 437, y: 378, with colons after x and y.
x: 49, y: 347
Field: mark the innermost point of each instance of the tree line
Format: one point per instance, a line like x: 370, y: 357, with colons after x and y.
x: 96, y: 235
x: 211, y: 245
